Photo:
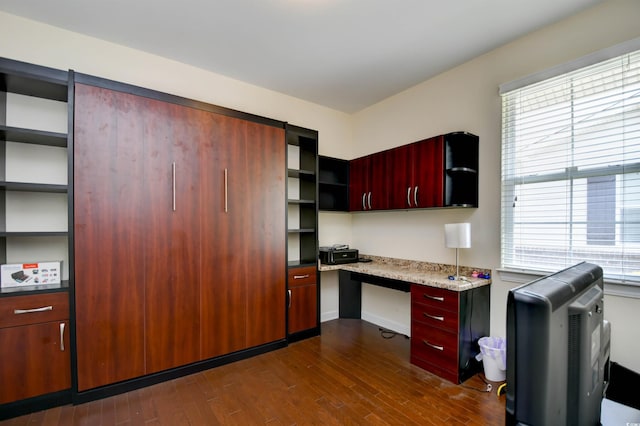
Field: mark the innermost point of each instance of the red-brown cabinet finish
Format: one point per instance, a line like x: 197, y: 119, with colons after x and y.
x: 109, y: 227
x: 179, y: 233
x: 34, y: 331
x: 368, y: 187
x: 416, y: 175
x: 445, y: 328
x: 302, y: 299
x: 441, y: 171
x: 171, y: 238
x: 243, y: 254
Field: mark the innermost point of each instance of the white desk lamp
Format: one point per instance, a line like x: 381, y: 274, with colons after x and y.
x: 457, y: 236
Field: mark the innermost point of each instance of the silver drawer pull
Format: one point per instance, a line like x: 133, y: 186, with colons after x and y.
x: 62, y: 337
x: 438, y: 298
x: 433, y: 317
x: 30, y: 311
x: 226, y: 190
x: 173, y: 190
x: 300, y: 277
x: 440, y: 348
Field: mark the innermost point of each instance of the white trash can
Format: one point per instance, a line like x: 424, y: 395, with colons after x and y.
x: 494, y: 358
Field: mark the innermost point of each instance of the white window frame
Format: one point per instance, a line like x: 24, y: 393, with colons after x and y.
x: 522, y: 274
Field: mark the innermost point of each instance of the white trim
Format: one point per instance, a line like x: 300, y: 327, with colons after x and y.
x: 592, y: 58
x: 386, y: 323
x: 328, y: 316
x: 611, y: 288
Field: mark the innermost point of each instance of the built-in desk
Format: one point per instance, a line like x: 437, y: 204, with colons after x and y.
x: 447, y: 317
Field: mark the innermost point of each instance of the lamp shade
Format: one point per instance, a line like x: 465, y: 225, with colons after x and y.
x: 457, y: 235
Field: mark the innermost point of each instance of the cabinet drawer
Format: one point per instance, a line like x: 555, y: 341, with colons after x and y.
x: 434, y: 316
x: 435, y: 345
x: 33, y: 309
x: 433, y: 296
x: 302, y: 276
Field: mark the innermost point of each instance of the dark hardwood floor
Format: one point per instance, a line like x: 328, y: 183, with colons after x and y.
x: 350, y: 375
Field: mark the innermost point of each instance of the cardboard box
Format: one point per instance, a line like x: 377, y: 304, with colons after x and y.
x: 29, y: 274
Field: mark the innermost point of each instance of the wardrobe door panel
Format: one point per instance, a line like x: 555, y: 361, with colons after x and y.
x: 224, y: 268
x: 262, y: 201
x: 243, y: 244
x: 173, y: 135
x: 108, y: 235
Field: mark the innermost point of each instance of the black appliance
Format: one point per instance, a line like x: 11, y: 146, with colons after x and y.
x: 338, y: 254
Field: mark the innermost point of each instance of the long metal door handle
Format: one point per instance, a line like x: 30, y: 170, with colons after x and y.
x: 364, y: 196
x: 173, y: 178
x: 369, y: 201
x: 409, y: 196
x: 226, y: 190
x: 437, y: 318
x: 62, y: 336
x: 289, y: 294
x: 438, y: 298
x: 299, y: 277
x: 439, y: 348
x: 30, y: 311
x: 415, y: 196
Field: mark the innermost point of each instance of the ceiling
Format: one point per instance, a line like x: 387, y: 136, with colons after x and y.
x: 343, y: 54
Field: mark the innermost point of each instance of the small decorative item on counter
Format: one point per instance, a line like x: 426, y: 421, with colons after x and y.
x: 485, y: 276
x: 474, y: 274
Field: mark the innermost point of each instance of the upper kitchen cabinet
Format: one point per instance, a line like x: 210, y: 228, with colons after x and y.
x: 34, y: 122
x: 437, y: 172
x: 416, y: 175
x: 368, y: 185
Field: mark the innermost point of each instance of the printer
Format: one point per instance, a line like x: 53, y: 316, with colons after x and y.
x: 338, y: 254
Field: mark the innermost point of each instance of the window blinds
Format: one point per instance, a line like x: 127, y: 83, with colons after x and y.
x: 571, y: 171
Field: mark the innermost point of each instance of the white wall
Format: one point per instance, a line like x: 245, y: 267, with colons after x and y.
x: 466, y: 98
x: 33, y: 42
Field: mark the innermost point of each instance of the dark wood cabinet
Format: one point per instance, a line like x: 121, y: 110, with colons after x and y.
x: 416, y: 175
x: 445, y: 328
x: 109, y: 230
x: 242, y: 298
x: 172, y: 145
x: 180, y: 234
x: 34, y: 331
x: 437, y: 172
x: 368, y: 187
x: 302, y: 299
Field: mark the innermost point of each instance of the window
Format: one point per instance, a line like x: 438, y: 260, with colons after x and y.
x: 571, y: 170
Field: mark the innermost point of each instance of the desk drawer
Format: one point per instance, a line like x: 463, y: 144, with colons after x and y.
x: 434, y: 316
x: 33, y: 309
x: 301, y: 276
x: 433, y: 296
x: 435, y: 345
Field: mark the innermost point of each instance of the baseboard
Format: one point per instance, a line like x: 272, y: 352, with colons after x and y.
x: 328, y: 316
x: 386, y: 323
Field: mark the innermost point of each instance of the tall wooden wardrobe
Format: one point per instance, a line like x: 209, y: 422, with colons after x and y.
x: 179, y: 232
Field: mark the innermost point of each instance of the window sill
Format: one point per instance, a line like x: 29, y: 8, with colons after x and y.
x: 611, y: 288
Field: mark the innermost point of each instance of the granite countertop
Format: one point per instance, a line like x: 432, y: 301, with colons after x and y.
x: 425, y: 273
